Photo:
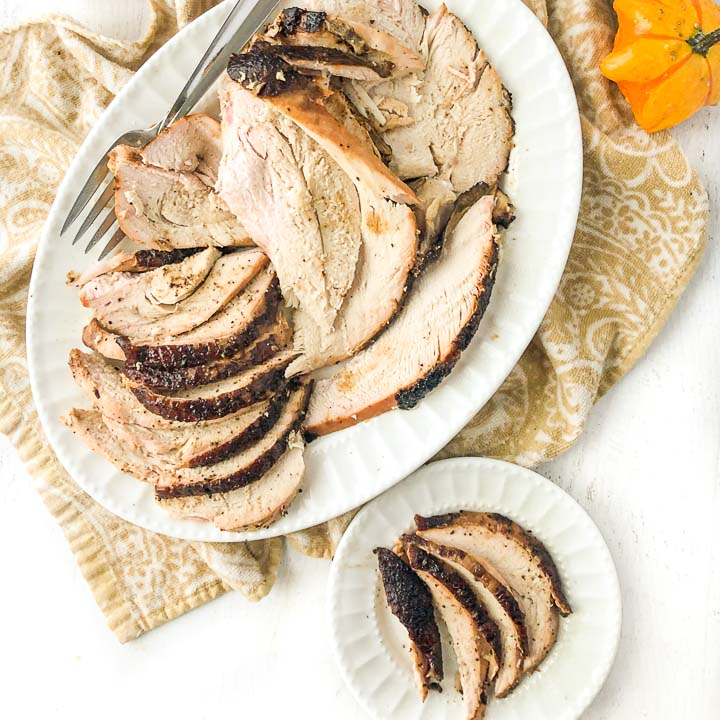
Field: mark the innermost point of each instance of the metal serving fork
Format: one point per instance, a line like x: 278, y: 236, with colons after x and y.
x: 209, y: 69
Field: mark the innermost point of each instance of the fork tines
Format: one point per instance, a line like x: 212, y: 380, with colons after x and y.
x: 97, y: 185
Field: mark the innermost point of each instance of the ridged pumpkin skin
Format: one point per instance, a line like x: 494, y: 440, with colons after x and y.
x: 666, y: 59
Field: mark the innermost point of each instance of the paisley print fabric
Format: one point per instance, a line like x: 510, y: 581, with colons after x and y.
x: 640, y: 236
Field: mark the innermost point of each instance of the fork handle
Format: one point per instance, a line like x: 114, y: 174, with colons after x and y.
x: 215, y: 59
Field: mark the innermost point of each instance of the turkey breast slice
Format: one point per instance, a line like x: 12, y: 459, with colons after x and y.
x: 230, y: 330
x: 499, y: 601
x: 109, y: 289
x: 252, y: 507
x: 520, y: 559
x: 139, y: 261
x: 220, y: 398
x: 305, y: 100
x: 387, y: 257
x: 471, y: 631
x: 276, y: 337
x: 456, y: 114
x: 164, y: 209
x: 411, y: 602
x: 245, y: 467
x: 179, y: 444
x: 172, y: 300
x: 297, y: 202
x: 424, y: 342
x: 191, y: 144
x: 233, y: 332
x: 200, y: 444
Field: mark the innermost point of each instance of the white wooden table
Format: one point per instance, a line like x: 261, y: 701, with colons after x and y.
x: 647, y: 470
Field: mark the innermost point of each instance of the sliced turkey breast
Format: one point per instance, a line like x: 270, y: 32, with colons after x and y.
x: 520, y: 559
x: 200, y: 444
x: 457, y: 114
x: 471, y: 631
x: 497, y: 598
x: 110, y: 392
x: 307, y: 102
x: 232, y: 328
x: 221, y: 398
x: 97, y: 338
x: 139, y: 261
x: 436, y: 200
x: 177, y: 444
x: 192, y: 144
x: 420, y: 348
x: 160, y: 305
x: 402, y: 19
x: 299, y: 205
x: 296, y: 26
x: 245, y: 467
x: 252, y: 507
x: 89, y: 426
x: 145, y: 453
x: 411, y: 603
x: 276, y: 337
x: 388, y: 254
x: 112, y: 288
x: 164, y: 209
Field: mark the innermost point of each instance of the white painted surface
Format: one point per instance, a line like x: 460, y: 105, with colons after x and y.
x: 647, y: 470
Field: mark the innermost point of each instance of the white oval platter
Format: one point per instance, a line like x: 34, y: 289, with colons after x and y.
x: 347, y: 469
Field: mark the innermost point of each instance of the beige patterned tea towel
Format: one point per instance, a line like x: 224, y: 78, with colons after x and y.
x: 640, y: 236
x: 57, y: 78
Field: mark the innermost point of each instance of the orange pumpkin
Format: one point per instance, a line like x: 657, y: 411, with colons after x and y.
x: 666, y: 59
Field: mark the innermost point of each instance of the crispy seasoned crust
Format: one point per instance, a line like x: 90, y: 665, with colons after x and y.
x: 299, y: 55
x: 258, y: 387
x: 249, y: 473
x: 153, y: 259
x: 495, y: 522
x: 503, y: 597
x: 427, y: 523
x: 294, y: 20
x: 463, y: 593
x: 408, y: 398
x: 191, y: 355
x: 249, y: 436
x: 410, y: 601
x: 175, y: 379
x: 266, y: 74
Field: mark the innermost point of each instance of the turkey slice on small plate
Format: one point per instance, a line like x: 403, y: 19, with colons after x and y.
x: 520, y: 559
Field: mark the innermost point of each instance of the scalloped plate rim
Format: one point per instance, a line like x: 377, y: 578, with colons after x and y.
x: 351, y: 556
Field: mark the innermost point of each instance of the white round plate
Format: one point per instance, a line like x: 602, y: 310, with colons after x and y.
x: 371, y: 646
x: 347, y: 469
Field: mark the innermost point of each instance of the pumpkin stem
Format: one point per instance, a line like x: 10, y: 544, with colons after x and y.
x: 701, y: 43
